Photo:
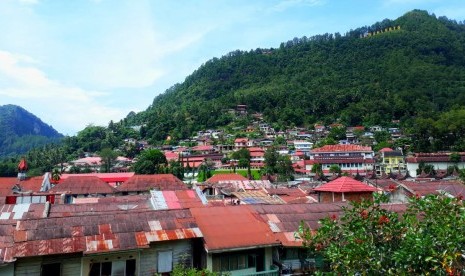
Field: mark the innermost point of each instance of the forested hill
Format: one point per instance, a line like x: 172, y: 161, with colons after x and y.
x: 22, y: 131
x: 402, y: 69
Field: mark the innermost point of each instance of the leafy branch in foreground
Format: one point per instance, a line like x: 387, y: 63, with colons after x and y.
x: 369, y: 238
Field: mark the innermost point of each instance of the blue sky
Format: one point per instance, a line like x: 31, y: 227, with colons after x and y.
x: 80, y: 62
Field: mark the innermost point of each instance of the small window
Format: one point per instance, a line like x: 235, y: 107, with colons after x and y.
x: 100, y: 269
x: 131, y: 267
x: 51, y: 269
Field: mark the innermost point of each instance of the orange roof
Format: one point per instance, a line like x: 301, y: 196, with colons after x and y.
x: 345, y: 184
x: 343, y: 148
x: 232, y: 227
x: 162, y: 182
x: 385, y: 150
x: 241, y: 140
x: 226, y: 177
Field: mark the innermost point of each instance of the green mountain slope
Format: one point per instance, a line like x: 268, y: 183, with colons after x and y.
x: 22, y: 131
x: 411, y: 67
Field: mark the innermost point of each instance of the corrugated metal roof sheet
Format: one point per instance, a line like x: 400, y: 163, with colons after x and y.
x: 232, y: 227
x: 80, y: 185
x: 144, y: 183
x: 95, y: 233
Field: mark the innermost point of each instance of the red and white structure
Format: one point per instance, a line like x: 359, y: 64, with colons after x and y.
x: 350, y: 158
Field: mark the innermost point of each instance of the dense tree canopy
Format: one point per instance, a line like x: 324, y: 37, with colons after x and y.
x: 410, y: 70
x: 370, y: 239
x: 150, y: 161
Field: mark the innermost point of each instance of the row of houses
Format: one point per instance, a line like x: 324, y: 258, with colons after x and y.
x: 126, y: 224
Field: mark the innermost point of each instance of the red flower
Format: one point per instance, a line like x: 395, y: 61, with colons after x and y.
x: 364, y: 214
x: 383, y: 220
x: 333, y: 217
x: 460, y: 197
x: 392, y: 187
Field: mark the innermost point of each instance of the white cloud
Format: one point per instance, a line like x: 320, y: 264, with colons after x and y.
x: 67, y: 108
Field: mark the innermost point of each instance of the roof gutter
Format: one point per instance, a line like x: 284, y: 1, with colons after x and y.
x: 214, y: 251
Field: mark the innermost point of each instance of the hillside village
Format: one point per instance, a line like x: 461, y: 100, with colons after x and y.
x: 122, y: 223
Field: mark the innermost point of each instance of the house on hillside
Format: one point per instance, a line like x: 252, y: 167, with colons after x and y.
x: 351, y: 159
x: 303, y: 146
x: 439, y: 161
x: 240, y: 143
x: 391, y: 161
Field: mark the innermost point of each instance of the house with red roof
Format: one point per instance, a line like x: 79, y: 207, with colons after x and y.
x: 439, y: 160
x: 235, y: 240
x: 344, y: 189
x: 194, y: 161
x: 83, y: 186
x: 203, y: 149
x: 96, y: 239
x: 351, y: 159
x: 240, y: 143
x: 257, y: 157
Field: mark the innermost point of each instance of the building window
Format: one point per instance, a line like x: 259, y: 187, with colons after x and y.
x: 120, y: 267
x: 100, y: 269
x: 230, y: 262
x: 51, y: 269
x: 165, y: 261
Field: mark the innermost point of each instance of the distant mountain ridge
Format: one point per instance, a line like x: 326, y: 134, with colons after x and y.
x: 403, y: 69
x: 21, y: 131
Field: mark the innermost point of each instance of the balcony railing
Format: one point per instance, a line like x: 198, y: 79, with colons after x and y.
x: 274, y: 271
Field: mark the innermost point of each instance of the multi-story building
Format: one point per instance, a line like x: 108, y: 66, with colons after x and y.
x: 350, y: 158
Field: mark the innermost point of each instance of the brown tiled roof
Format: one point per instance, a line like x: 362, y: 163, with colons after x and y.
x: 81, y: 185
x: 143, y: 183
x: 455, y: 188
x: 433, y: 157
x: 232, y: 227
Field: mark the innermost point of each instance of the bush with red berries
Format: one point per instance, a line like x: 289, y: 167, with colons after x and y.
x: 370, y: 239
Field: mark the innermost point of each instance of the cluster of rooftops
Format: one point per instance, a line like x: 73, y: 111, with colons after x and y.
x: 119, y: 212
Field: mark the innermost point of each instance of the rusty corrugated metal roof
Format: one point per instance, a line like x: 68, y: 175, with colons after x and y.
x: 81, y: 185
x: 232, y: 228
x: 100, y: 232
x: 144, y: 183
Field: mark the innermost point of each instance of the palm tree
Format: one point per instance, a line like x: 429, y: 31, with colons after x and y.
x: 56, y: 175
